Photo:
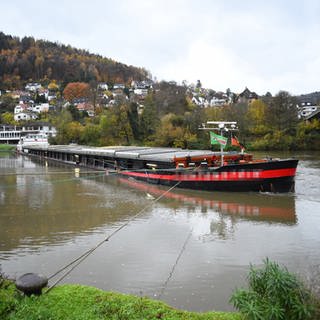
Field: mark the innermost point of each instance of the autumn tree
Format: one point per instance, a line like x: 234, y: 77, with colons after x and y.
x: 53, y: 86
x: 7, y: 118
x: 308, y: 135
x: 172, y: 132
x: 149, y: 120
x: 133, y: 118
x: 7, y: 103
x: 75, y: 131
x: 61, y: 121
x: 170, y: 98
x: 75, y: 90
x: 91, y: 134
x: 282, y: 112
x: 123, y: 125
x: 257, y: 117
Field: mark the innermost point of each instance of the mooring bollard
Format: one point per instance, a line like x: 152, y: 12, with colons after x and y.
x: 31, y: 283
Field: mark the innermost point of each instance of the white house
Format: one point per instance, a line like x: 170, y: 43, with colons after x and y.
x: 141, y: 91
x: 51, y: 96
x: 21, y: 108
x: 25, y: 116
x: 103, y: 86
x: 200, y: 101
x: 40, y: 127
x: 215, y: 101
x: 118, y: 86
x: 306, y: 109
x: 33, y: 86
x: 43, y: 107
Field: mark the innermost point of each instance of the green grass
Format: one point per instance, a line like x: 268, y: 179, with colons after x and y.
x: 76, y: 302
x: 7, y: 147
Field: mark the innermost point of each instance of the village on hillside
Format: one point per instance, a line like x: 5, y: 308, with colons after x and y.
x: 23, y: 111
x: 36, y: 99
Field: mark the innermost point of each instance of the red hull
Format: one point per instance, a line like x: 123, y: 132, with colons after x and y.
x: 270, y: 176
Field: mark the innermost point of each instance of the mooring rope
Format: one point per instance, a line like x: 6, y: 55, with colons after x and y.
x: 73, y: 264
x: 76, y: 262
x: 165, y: 284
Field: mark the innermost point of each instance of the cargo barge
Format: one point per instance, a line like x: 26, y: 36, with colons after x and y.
x: 191, y: 169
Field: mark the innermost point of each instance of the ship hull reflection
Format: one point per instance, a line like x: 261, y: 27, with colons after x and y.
x: 262, y: 207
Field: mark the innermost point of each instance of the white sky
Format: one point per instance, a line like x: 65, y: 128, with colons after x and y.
x: 265, y: 45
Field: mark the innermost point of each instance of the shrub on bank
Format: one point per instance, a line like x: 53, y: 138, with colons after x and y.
x: 276, y: 294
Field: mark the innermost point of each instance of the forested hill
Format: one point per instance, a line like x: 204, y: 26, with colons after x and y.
x: 28, y: 59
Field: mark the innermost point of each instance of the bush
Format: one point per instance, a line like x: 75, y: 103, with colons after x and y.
x: 275, y: 294
x: 7, y: 296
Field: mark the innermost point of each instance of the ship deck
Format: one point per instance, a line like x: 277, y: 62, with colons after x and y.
x: 158, y: 154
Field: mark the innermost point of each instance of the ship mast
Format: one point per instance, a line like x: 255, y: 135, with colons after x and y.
x: 222, y: 127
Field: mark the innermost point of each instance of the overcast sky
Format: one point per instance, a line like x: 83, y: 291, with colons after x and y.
x: 263, y: 45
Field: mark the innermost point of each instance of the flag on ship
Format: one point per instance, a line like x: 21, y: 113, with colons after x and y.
x: 235, y: 142
x: 216, y: 139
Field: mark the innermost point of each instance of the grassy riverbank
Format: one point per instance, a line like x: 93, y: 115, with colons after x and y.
x: 88, y: 303
x: 7, y: 147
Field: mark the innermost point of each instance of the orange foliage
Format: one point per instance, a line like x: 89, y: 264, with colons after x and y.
x: 75, y: 90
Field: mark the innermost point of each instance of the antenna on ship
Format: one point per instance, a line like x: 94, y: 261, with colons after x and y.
x: 222, y: 127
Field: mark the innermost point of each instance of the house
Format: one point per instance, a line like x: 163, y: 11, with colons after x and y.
x: 118, y: 86
x: 103, y: 86
x: 87, y: 107
x: 25, y: 116
x: 247, y: 96
x: 141, y: 91
x: 200, y: 101
x: 21, y: 107
x: 9, y: 134
x: 218, y: 101
x: 44, y: 93
x: 39, y: 127
x: 145, y: 84
x: 25, y: 99
x: 314, y: 115
x: 51, y: 96
x: 12, y: 134
x: 118, y: 89
x: 77, y: 101
x: 33, y: 86
x: 43, y: 107
x: 305, y: 109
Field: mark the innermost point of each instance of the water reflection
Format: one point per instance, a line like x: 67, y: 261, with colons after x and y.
x: 270, y: 208
x: 39, y: 207
x: 45, y: 210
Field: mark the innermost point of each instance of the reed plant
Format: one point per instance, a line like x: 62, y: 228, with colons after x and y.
x: 274, y: 294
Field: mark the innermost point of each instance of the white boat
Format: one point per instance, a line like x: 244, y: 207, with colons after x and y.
x: 32, y: 139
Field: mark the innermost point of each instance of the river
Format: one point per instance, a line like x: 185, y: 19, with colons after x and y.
x: 190, y: 249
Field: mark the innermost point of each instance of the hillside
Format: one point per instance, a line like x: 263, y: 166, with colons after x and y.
x: 27, y: 59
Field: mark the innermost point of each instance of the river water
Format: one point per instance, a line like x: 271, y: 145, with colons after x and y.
x: 190, y: 249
